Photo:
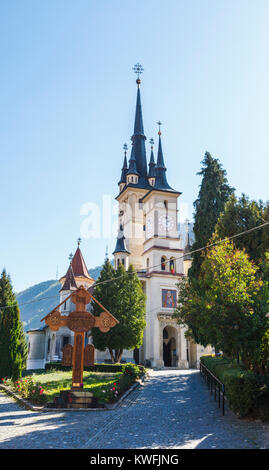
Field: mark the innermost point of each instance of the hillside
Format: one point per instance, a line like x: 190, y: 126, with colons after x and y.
x: 36, y: 301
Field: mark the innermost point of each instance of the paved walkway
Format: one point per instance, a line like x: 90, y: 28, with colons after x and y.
x: 173, y: 409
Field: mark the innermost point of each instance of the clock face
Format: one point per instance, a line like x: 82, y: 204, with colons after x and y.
x: 166, y: 222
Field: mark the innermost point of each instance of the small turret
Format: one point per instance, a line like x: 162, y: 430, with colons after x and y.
x: 187, y: 259
x: 121, y: 253
x: 124, y: 169
x: 160, y: 169
x: 152, y: 166
x: 132, y: 173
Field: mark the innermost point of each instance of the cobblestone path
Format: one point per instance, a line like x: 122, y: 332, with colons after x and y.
x: 173, y: 409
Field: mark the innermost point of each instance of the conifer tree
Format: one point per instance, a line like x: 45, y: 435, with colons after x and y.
x: 10, y: 330
x: 239, y: 215
x: 125, y: 300
x: 213, y: 194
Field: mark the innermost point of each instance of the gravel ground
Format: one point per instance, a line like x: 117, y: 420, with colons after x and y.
x: 173, y: 409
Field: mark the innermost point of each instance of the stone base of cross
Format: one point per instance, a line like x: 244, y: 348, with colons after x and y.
x: 80, y: 321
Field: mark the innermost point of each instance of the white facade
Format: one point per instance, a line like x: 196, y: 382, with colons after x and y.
x: 150, y: 222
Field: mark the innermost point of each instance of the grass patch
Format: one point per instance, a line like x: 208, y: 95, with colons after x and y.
x: 41, y: 386
x: 55, y: 381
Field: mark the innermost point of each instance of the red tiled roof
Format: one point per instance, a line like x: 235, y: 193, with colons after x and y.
x: 70, y: 282
x: 79, y: 265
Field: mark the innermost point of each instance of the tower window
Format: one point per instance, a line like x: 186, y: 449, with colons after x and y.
x: 123, y: 261
x: 172, y: 265
x: 163, y: 264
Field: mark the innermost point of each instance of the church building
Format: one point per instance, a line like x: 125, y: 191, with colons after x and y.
x: 149, y: 239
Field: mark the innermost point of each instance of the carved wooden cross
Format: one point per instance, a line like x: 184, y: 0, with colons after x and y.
x: 80, y: 321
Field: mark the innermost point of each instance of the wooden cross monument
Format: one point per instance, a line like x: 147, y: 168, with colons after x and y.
x: 80, y: 321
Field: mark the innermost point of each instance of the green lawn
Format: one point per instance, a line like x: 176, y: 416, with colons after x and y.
x: 55, y: 381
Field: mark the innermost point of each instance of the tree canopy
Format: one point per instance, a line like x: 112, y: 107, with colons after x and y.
x: 227, y: 308
x: 213, y: 194
x: 12, y: 338
x: 125, y: 299
x: 239, y: 215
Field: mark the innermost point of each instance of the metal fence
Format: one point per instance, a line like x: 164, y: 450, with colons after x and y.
x: 215, y: 386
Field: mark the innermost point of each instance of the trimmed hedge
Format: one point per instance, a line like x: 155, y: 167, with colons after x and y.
x: 247, y: 393
x: 95, y: 368
x: 109, y: 368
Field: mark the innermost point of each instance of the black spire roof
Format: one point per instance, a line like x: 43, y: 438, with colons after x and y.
x: 138, y: 141
x: 160, y: 170
x: 124, y: 171
x: 152, y: 163
x: 120, y: 244
x: 132, y: 164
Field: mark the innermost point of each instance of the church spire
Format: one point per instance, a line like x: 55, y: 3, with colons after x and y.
x: 132, y: 164
x: 161, y: 181
x: 124, y: 167
x: 138, y: 137
x: 152, y: 163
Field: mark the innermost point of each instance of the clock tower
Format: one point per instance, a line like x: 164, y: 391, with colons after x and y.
x: 148, y: 238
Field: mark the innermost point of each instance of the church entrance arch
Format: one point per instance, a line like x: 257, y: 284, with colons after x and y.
x: 170, y: 353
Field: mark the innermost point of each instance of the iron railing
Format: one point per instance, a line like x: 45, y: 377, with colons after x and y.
x: 214, y: 384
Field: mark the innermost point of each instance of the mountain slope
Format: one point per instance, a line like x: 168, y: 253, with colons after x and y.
x: 38, y: 300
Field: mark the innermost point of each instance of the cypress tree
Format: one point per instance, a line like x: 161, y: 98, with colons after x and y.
x: 213, y: 194
x: 10, y: 330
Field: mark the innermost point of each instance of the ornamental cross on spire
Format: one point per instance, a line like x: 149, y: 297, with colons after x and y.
x: 125, y: 148
x: 138, y: 69
x: 159, y: 124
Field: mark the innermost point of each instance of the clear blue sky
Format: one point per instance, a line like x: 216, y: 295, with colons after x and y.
x: 67, y: 107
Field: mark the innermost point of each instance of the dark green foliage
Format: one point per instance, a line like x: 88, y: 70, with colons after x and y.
x: 23, y: 347
x: 95, y: 368
x: 227, y: 307
x: 125, y: 300
x: 132, y: 371
x: 245, y: 390
x: 11, y: 339
x: 240, y: 215
x: 17, y: 368
x: 213, y: 194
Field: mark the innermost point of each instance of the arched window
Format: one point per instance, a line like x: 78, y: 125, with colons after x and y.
x: 147, y: 264
x: 172, y: 265
x: 123, y: 261
x: 163, y: 264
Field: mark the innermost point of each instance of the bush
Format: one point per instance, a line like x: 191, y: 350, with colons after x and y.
x: 244, y: 389
x: 30, y: 390
x: 96, y: 368
x: 132, y: 371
